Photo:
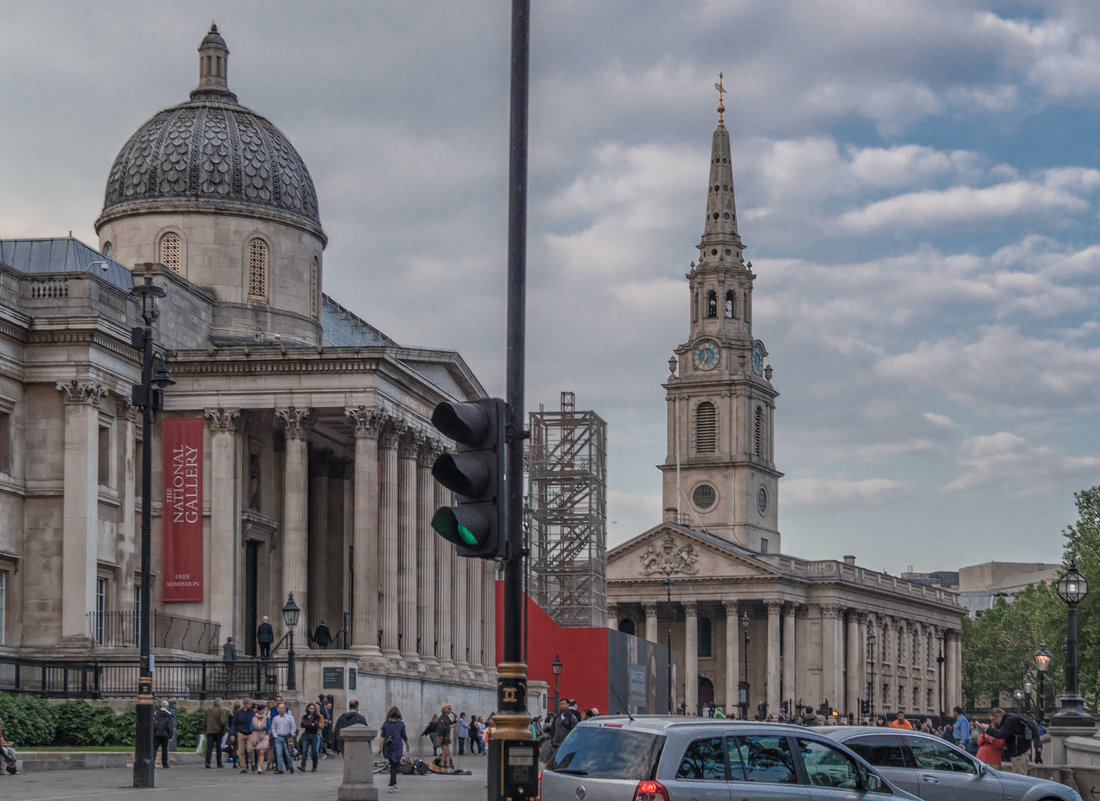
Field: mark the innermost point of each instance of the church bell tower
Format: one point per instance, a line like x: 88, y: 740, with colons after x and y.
x: 719, y: 474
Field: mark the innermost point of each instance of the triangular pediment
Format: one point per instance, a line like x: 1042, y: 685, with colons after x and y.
x: 669, y: 550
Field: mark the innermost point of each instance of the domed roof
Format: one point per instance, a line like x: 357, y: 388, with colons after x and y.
x: 211, y: 154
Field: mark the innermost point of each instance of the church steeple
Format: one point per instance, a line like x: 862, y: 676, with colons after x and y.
x: 213, y: 69
x: 720, y: 228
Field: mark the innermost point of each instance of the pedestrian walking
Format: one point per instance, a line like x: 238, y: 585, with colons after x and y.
x: 229, y: 658
x: 430, y: 731
x: 258, y: 740
x: 283, y: 729
x: 322, y: 635
x: 394, y: 742
x: 164, y: 729
x: 240, y: 727
x: 265, y: 635
x: 349, y: 718
x: 213, y: 726
x: 310, y: 726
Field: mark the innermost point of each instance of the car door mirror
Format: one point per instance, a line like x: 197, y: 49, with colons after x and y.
x: 981, y: 769
x: 872, y: 783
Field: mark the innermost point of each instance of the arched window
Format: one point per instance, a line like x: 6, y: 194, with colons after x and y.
x: 704, y: 637
x: 626, y: 626
x: 731, y: 301
x: 171, y: 252
x: 712, y: 304
x: 257, y: 269
x: 108, y: 250
x: 705, y: 428
x: 315, y: 286
x: 758, y: 432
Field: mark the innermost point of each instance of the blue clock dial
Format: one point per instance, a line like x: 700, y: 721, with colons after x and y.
x: 705, y: 356
x: 757, y: 359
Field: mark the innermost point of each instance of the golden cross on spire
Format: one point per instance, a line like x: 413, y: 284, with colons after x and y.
x: 721, y: 91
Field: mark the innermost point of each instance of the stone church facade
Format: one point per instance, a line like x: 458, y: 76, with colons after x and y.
x: 754, y: 628
x: 316, y: 441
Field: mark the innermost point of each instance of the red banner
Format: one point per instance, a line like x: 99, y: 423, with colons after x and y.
x: 181, y: 529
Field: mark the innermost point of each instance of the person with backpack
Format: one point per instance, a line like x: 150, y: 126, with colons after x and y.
x: 349, y: 718
x: 164, y: 729
x: 394, y: 742
x: 1017, y: 735
x: 431, y: 733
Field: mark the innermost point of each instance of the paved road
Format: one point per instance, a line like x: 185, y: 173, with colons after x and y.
x: 196, y: 783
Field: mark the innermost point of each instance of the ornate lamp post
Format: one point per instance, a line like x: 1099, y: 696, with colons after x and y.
x: 871, y: 640
x: 668, y: 593
x: 1042, y: 662
x: 556, y: 666
x: 290, y: 618
x: 1028, y: 686
x: 149, y: 397
x: 745, y: 620
x: 939, y: 661
x: 1072, y: 588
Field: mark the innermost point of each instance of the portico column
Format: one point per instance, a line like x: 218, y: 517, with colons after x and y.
x: 489, y: 615
x: 364, y: 615
x: 80, y: 508
x: 425, y: 553
x: 651, y: 622
x: 388, y: 555
x: 473, y: 613
x: 691, y: 657
x: 612, y: 616
x: 772, y: 697
x: 407, y: 539
x: 854, y: 663
x: 130, y: 556
x: 444, y: 553
x: 733, y: 656
x: 295, y: 506
x: 951, y: 668
x: 224, y: 548
x: 790, y: 690
x: 830, y: 687
x: 460, y: 587
x: 318, y: 536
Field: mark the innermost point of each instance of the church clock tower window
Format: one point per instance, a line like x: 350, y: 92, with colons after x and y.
x: 705, y: 428
x: 704, y: 497
x: 758, y: 432
x: 257, y: 269
x: 712, y: 304
x: 731, y: 302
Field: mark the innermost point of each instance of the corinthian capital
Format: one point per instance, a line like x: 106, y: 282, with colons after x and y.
x: 367, y: 420
x: 295, y: 420
x: 82, y: 392
x: 221, y: 419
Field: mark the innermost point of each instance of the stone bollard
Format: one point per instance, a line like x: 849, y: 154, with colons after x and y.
x: 358, y: 783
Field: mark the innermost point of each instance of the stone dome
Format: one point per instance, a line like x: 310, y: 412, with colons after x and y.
x: 211, y: 154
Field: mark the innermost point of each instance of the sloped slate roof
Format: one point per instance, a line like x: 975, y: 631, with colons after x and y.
x: 62, y: 255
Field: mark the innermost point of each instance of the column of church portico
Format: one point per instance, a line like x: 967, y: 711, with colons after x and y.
x: 80, y: 508
x: 295, y: 506
x: 691, y: 657
x: 855, y: 663
x: 225, y: 543
x: 830, y: 658
x: 651, y: 622
x: 364, y: 615
x: 952, y: 651
x: 129, y: 555
x: 407, y: 620
x: 318, y: 536
x: 459, y: 592
x: 425, y: 553
x: 444, y: 614
x: 387, y: 539
x: 489, y: 615
x: 473, y: 613
x: 733, y: 656
x: 790, y: 682
x: 772, y: 697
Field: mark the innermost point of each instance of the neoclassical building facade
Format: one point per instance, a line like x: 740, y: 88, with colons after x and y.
x: 310, y: 472
x: 753, y: 627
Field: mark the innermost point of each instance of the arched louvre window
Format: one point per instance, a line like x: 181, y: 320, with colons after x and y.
x: 171, y: 252
x: 315, y: 286
x: 257, y: 269
x: 705, y: 428
x: 758, y: 432
x: 731, y: 303
x: 704, y: 637
x: 712, y: 304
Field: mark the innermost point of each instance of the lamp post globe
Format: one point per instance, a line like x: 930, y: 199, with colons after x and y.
x: 1042, y: 662
x: 556, y: 666
x: 1072, y: 588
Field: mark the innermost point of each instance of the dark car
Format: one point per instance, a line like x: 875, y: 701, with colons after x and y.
x: 675, y: 758
x: 936, y: 770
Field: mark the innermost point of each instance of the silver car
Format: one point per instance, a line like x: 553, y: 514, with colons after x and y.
x: 936, y: 770
x: 675, y: 758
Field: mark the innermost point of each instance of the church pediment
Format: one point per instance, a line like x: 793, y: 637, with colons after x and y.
x: 680, y: 553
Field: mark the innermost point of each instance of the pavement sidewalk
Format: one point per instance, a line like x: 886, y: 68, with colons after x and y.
x: 196, y: 783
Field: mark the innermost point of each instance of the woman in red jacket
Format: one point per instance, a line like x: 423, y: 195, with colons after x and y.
x: 990, y: 749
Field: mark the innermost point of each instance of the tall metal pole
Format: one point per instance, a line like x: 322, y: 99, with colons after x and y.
x: 512, y: 719
x: 745, y: 703
x: 668, y: 592
x: 143, y: 734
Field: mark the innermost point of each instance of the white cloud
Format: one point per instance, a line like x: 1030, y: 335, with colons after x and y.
x: 1026, y: 470
x: 829, y: 493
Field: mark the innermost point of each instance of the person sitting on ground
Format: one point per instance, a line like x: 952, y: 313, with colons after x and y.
x: 7, y: 751
x: 349, y: 718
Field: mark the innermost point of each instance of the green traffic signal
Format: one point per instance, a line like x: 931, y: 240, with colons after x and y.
x: 462, y: 526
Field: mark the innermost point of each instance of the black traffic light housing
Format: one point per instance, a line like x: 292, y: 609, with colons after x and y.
x: 477, y: 473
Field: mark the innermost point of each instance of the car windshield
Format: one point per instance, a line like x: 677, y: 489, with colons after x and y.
x: 606, y: 753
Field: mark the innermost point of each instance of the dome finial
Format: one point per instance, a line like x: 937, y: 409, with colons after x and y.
x: 721, y: 91
x: 213, y: 67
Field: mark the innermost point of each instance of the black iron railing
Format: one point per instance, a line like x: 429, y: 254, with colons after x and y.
x: 117, y: 678
x: 119, y: 629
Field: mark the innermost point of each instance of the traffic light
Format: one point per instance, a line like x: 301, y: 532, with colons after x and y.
x: 477, y: 473
x: 865, y: 707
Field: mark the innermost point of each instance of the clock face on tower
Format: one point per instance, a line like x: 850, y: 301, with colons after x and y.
x: 705, y: 356
x: 757, y: 358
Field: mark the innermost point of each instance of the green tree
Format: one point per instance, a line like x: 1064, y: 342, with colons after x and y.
x: 1083, y: 549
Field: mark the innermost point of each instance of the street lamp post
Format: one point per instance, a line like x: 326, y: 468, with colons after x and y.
x: 939, y: 661
x: 668, y: 594
x: 745, y: 620
x: 1042, y: 662
x: 556, y: 666
x: 1072, y: 588
x: 149, y: 397
x: 290, y: 618
x: 871, y: 640
x: 1028, y: 686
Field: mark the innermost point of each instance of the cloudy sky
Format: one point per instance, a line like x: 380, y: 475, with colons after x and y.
x: 918, y: 183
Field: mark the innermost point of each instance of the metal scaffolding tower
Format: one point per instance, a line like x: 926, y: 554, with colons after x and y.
x: 567, y: 512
